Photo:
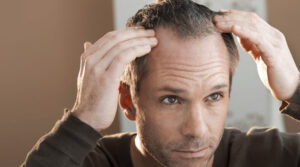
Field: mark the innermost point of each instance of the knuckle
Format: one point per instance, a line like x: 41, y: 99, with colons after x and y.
x: 279, y: 39
x: 129, y: 29
x: 88, y: 61
x: 134, y: 49
x: 279, y: 34
x: 126, y: 55
x: 111, y: 35
x: 121, y: 46
x: 93, y: 71
x: 119, y: 59
x: 230, y: 11
x: 83, y: 56
x: 253, y: 15
x: 105, y: 81
x: 233, y: 28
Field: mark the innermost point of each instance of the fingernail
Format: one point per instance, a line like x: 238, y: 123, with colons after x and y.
x: 237, y: 28
x: 216, y: 18
x: 223, y: 10
x: 151, y: 31
x: 147, y: 47
x: 139, y: 27
x: 153, y: 39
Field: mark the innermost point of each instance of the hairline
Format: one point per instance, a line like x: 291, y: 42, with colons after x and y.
x: 182, y: 36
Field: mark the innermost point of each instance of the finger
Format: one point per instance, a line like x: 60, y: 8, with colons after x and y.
x: 81, y: 67
x: 120, y: 48
x: 250, y: 40
x: 120, y: 37
x: 224, y: 11
x: 116, y: 68
x: 240, y: 25
x: 86, y: 45
x: 228, y: 15
x: 250, y: 47
x: 115, y: 37
x: 241, y: 18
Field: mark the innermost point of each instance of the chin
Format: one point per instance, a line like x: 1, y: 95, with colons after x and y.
x: 188, y: 163
x: 171, y: 160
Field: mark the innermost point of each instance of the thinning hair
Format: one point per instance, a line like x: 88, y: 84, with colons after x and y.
x: 188, y: 20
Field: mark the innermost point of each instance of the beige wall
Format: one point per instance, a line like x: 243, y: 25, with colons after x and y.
x: 284, y: 15
x: 41, y: 42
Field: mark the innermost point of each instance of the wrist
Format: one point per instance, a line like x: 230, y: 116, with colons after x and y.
x: 296, y: 92
x: 88, y: 118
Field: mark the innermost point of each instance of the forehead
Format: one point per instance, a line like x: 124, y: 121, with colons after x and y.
x: 193, y: 63
x: 189, y: 51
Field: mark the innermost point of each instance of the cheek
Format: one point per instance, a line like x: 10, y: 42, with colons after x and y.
x: 153, y: 114
x: 164, y: 125
x: 158, y: 125
x: 216, y: 116
x: 161, y: 124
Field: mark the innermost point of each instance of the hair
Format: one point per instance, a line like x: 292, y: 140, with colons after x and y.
x: 188, y: 20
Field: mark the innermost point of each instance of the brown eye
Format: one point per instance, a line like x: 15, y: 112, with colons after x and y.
x: 215, y: 97
x: 170, y: 100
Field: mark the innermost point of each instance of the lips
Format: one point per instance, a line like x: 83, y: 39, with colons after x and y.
x: 192, y: 153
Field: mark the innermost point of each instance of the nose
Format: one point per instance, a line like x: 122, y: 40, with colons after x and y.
x: 194, y: 123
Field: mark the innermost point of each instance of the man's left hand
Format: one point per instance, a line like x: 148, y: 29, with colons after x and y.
x: 267, y: 46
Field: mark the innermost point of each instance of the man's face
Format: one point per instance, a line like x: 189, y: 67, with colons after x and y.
x: 183, y: 99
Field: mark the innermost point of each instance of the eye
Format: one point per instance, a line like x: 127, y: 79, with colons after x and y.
x: 170, y: 100
x: 215, y: 97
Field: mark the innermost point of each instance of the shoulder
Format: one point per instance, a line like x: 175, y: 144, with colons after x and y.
x: 116, y: 147
x: 111, y: 150
x: 264, y: 137
x: 259, y: 146
x: 116, y: 141
x: 118, y: 137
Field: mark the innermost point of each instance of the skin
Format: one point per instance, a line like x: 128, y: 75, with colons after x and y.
x: 186, y: 94
x: 163, y: 129
x: 269, y: 49
x: 101, y: 67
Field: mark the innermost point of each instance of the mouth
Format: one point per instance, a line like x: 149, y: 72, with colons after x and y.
x: 192, y: 153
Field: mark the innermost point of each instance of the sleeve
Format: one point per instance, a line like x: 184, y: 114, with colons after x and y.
x: 265, y: 147
x: 293, y: 108
x: 67, y: 145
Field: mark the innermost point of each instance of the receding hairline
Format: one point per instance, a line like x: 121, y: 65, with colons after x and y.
x: 187, y: 24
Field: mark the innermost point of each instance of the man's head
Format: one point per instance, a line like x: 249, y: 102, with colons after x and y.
x: 179, y: 93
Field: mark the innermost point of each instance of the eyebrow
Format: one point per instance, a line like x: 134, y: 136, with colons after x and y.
x: 177, y: 90
x: 219, y: 86
x: 170, y: 89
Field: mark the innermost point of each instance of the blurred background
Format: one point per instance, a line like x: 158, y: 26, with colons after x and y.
x: 41, y: 43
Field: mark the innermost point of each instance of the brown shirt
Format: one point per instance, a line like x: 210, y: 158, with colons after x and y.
x: 72, y: 143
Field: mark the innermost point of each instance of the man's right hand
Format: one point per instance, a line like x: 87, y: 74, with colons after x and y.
x: 101, y: 67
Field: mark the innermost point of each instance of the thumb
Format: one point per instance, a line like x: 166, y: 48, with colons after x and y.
x: 86, y: 45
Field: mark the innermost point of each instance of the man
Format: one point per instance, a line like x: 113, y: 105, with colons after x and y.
x: 178, y: 94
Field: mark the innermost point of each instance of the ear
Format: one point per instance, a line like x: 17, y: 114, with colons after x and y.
x: 126, y: 102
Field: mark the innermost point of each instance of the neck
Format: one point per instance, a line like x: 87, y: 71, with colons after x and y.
x: 141, y: 158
